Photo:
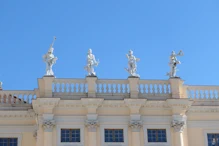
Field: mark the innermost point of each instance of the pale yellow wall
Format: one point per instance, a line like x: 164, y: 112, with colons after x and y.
x: 28, y: 139
x: 196, y: 137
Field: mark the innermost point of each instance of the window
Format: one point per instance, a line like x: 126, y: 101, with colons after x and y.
x: 70, y: 135
x: 213, y: 139
x: 157, y: 135
x: 114, y: 135
x: 8, y: 142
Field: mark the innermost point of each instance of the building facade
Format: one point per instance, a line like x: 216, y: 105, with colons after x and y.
x: 97, y: 112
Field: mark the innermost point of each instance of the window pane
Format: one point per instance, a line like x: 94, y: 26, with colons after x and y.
x: 213, y: 139
x: 156, y: 135
x: 114, y: 135
x: 8, y: 142
x: 70, y: 135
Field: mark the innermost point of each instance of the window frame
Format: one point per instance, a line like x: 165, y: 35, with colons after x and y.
x: 8, y: 135
x: 58, y: 130
x: 114, y: 134
x: 210, y: 131
x: 71, y: 130
x: 125, y: 135
x: 168, y: 135
x: 157, y: 135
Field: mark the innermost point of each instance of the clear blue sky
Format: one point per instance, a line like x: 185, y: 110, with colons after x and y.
x: 151, y: 28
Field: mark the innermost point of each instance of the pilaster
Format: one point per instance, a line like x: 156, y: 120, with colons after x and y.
x: 135, y: 118
x: 91, y: 122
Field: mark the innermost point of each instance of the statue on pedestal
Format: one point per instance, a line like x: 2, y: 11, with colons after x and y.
x: 173, y: 63
x: 50, y: 60
x: 132, y: 64
x: 91, y: 62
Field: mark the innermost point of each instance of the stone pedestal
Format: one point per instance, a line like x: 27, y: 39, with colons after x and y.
x: 133, y: 86
x: 91, y: 83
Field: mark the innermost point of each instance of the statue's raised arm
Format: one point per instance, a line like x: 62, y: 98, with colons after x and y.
x: 50, y: 60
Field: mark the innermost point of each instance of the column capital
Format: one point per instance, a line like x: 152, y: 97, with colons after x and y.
x: 135, y: 105
x: 48, y: 125
x: 91, y: 123
x: 178, y: 122
x: 136, y: 125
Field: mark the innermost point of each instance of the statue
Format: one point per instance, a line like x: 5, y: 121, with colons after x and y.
x: 132, y: 66
x: 91, y: 62
x: 50, y: 59
x: 173, y: 63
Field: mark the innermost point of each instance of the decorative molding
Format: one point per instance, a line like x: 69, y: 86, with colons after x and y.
x: 135, y: 125
x: 48, y: 125
x: 91, y: 123
x: 156, y: 104
x: 203, y: 109
x: 35, y: 134
x: 92, y: 102
x: 135, y: 104
x: 178, y: 126
x: 17, y: 114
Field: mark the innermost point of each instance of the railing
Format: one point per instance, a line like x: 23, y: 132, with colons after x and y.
x: 203, y: 92
x: 154, y: 87
x: 17, y: 97
x: 69, y: 86
x: 112, y: 86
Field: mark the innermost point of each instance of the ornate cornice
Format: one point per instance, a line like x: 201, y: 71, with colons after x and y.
x: 17, y: 114
x: 48, y: 125
x: 156, y: 104
x: 203, y: 109
x: 135, y: 104
x: 92, y: 102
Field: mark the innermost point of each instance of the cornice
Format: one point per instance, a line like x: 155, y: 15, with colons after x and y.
x: 18, y: 114
x: 156, y: 104
x: 203, y: 109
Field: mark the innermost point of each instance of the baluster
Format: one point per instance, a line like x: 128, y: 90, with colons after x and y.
x: 79, y: 88
x: 209, y: 94
x: 74, y: 88
x: 84, y: 88
x: 102, y: 88
x: 143, y: 88
x: 107, y: 88
x: 158, y: 89
x: 116, y: 86
x: 199, y: 94
x: 126, y: 88
x: 60, y: 87
x: 162, y: 89
x: 121, y: 88
x: 214, y: 95
x: 112, y: 88
x: 153, y: 88
x: 2, y: 99
x: 6, y: 99
x: 204, y: 94
x: 22, y: 99
x: 55, y: 87
x: 167, y: 88
x: 98, y: 88
x: 28, y: 100
x: 69, y: 88
x: 17, y: 100
x: 149, y: 88
x: 65, y: 87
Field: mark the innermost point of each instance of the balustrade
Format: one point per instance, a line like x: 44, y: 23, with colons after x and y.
x: 112, y: 86
x: 203, y: 92
x: 17, y: 97
x: 69, y: 86
x: 154, y: 87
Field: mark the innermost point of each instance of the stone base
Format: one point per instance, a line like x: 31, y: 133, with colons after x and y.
x: 133, y: 77
x: 175, y: 78
x: 48, y: 76
x: 91, y: 76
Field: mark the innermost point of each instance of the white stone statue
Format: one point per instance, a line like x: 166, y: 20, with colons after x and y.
x: 50, y: 60
x: 132, y: 64
x: 1, y: 85
x: 91, y: 62
x: 173, y: 63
